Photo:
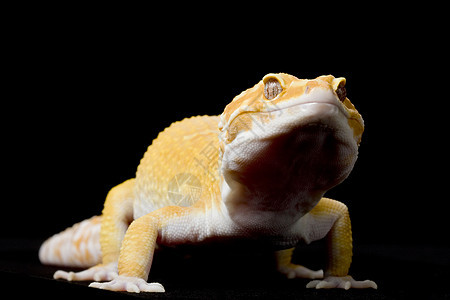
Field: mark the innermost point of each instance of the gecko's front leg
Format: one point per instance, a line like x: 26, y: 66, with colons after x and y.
x: 136, y: 254
x: 331, y: 218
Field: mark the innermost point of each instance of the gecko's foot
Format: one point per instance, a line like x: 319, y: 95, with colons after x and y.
x: 97, y: 273
x: 296, y: 271
x: 129, y: 284
x: 345, y: 282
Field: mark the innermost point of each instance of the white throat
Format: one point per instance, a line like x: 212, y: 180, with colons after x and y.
x: 275, y: 174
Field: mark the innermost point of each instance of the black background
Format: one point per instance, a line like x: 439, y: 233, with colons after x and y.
x: 84, y: 97
x: 84, y: 104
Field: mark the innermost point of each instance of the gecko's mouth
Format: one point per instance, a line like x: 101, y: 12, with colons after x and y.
x: 316, y: 108
x: 282, y: 118
x: 324, y: 105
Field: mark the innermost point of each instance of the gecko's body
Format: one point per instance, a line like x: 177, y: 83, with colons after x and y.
x: 257, y: 172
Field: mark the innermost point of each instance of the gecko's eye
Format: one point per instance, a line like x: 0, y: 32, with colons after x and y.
x: 272, y: 88
x: 341, y: 92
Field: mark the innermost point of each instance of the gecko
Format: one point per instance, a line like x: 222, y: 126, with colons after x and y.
x: 257, y: 172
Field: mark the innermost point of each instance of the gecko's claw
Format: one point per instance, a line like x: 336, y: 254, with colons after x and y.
x: 97, y: 273
x: 129, y: 284
x: 345, y: 282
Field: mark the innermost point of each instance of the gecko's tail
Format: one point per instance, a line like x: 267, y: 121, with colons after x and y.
x: 77, y: 246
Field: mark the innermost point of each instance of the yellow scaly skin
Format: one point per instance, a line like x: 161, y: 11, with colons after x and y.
x: 259, y: 170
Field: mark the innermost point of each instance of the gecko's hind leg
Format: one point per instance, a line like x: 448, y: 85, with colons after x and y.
x: 117, y: 215
x: 286, y: 267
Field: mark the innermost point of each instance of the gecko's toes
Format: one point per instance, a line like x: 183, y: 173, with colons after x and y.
x: 345, y: 282
x: 297, y: 271
x: 129, y: 284
x: 63, y: 275
x: 97, y: 273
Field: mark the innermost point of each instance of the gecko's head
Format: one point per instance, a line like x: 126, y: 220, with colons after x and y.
x: 284, y: 123
x: 293, y: 101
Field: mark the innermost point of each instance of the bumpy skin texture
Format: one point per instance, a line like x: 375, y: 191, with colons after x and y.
x: 258, y: 171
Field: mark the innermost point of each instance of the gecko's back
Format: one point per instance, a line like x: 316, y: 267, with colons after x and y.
x: 180, y: 167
